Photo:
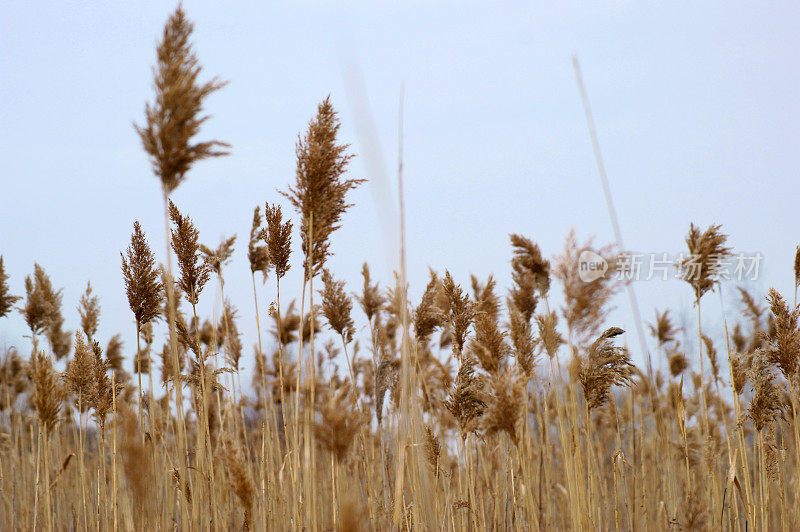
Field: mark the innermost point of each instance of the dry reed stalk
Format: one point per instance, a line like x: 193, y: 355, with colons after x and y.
x: 171, y: 123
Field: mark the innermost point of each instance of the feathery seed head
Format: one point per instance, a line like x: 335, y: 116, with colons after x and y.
x: 337, y: 306
x: 278, y: 235
x: 7, y: 300
x: 707, y: 254
x: 319, y: 192
x: 551, y: 339
x: 782, y: 342
x: 458, y: 311
x: 258, y: 254
x: 48, y: 393
x: 605, y: 365
x: 195, y: 272
x: 89, y: 310
x: 766, y: 405
x: 370, y: 300
x: 174, y: 118
x: 663, y: 330
x: 143, y: 285
x: 217, y: 258
x: 530, y: 273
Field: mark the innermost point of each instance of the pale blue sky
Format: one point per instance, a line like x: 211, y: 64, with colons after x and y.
x: 696, y: 108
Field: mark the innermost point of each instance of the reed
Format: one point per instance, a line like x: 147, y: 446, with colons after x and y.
x: 468, y: 403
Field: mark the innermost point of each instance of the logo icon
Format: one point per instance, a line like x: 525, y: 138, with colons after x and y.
x: 591, y: 266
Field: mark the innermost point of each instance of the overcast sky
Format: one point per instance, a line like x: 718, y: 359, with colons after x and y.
x: 696, y: 110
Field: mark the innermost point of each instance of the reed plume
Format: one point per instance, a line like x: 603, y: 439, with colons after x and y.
x: 522, y: 342
x: 605, y: 365
x: 706, y: 259
x: 740, y: 366
x: 587, y: 304
x: 458, y: 311
x: 341, y: 420
x: 487, y: 303
x: 530, y: 273
x: 239, y: 481
x: 319, y: 192
x: 337, y: 306
x: 79, y: 375
x: 145, y: 291
x: 796, y: 273
x: 549, y: 336
x: 89, y: 310
x: 114, y: 355
x: 175, y: 116
x: 678, y: 363
x: 143, y: 285
x: 371, y: 300
x: 766, y: 405
x: 231, y: 337
x: 7, y: 299
x: 797, y: 267
x: 48, y: 393
x: 219, y: 257
x: 488, y: 344
x: 257, y: 253
x: 103, y: 390
x: 782, y: 342
x: 702, y: 269
x: 426, y: 316
x: 14, y: 379
x: 711, y: 352
x: 467, y: 398
x: 505, y: 404
x: 278, y: 236
x: 195, y: 272
x: 663, y: 330
x: 433, y: 449
x: 42, y: 308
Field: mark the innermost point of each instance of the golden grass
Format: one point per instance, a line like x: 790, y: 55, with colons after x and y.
x: 458, y: 414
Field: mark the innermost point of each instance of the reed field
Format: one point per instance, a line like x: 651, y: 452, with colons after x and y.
x: 474, y: 407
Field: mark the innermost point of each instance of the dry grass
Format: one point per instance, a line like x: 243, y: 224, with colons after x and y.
x: 451, y: 412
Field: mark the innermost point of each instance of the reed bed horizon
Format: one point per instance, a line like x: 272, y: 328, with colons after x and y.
x: 471, y: 407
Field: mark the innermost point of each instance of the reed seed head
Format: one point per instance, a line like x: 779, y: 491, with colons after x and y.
x: 707, y: 255
x: 195, y: 272
x: 89, y: 310
x: 505, y: 404
x: 175, y: 116
x: 782, y: 342
x: 663, y: 330
x: 530, y: 273
x: 467, y: 398
x: 7, y: 299
x: 587, y: 304
x: 458, y: 311
x: 143, y: 285
x: 278, y: 235
x: 370, y: 300
x: 523, y: 344
x: 48, y: 393
x: 766, y: 406
x: 257, y: 253
x: 550, y: 338
x: 319, y: 192
x: 341, y: 420
x: 605, y: 365
x: 79, y: 372
x: 217, y: 258
x: 337, y: 306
